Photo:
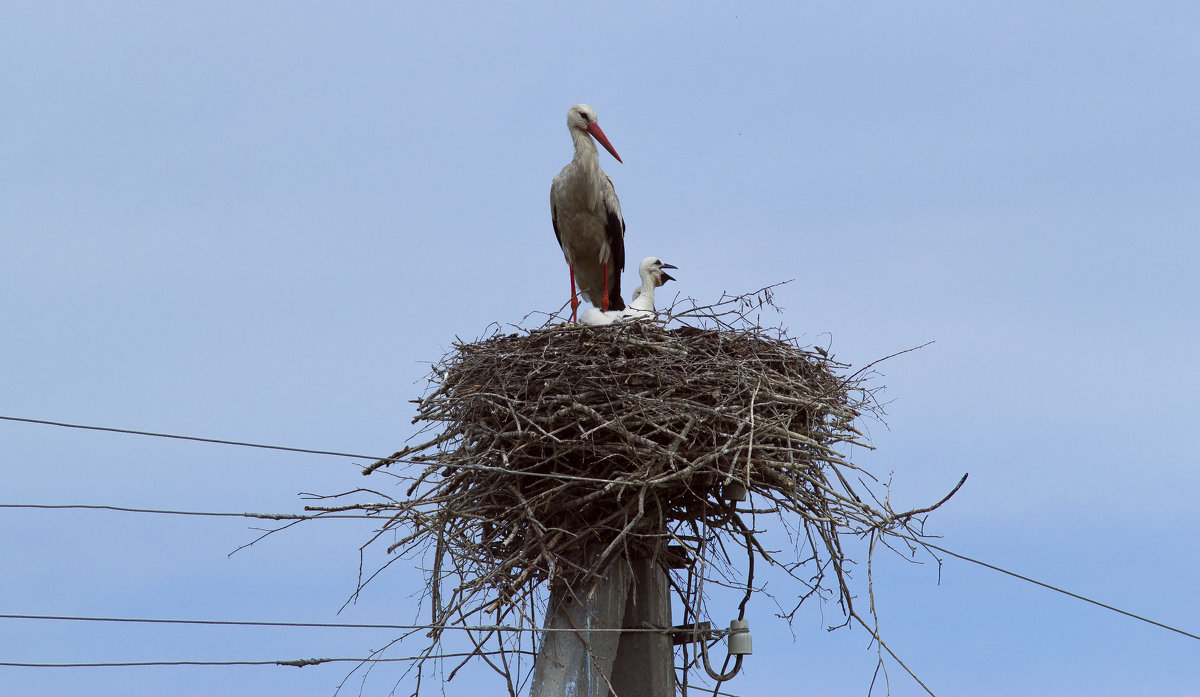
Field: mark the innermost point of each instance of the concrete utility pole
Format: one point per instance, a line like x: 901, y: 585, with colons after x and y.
x: 585, y: 662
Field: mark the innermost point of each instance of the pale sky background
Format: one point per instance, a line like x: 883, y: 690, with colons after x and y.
x: 260, y: 221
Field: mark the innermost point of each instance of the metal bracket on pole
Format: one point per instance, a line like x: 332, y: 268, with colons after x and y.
x: 677, y: 557
x: 691, y: 633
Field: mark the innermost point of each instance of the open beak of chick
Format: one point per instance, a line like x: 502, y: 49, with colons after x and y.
x: 663, y: 276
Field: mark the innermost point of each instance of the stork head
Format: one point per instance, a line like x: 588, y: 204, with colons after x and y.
x: 651, y: 269
x: 582, y: 117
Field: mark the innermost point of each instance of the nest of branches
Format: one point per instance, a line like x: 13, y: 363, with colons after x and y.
x: 571, y: 444
x: 554, y: 451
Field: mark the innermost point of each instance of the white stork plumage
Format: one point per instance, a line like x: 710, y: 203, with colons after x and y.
x: 641, y: 305
x: 587, y: 217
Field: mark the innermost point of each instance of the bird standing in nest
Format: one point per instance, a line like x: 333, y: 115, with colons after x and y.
x: 587, y: 217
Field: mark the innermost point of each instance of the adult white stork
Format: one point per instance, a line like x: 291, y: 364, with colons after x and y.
x: 641, y: 305
x: 587, y: 217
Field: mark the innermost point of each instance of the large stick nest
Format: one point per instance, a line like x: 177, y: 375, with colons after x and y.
x: 554, y: 451
x: 564, y: 440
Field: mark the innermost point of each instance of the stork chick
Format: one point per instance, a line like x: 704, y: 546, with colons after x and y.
x: 641, y: 305
x: 653, y: 276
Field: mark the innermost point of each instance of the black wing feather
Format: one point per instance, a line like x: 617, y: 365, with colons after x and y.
x: 614, y: 230
x: 554, y: 220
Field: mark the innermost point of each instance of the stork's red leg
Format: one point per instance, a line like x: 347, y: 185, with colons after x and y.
x: 604, y: 298
x: 574, y: 299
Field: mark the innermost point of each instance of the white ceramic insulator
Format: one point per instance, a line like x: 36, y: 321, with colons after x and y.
x: 739, y: 638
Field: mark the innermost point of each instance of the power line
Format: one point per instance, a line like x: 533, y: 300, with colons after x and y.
x: 153, y: 434
x: 1014, y: 574
x: 124, y: 509
x: 327, y: 625
x: 295, y: 663
x: 233, y: 623
x: 335, y: 453
x: 482, y: 467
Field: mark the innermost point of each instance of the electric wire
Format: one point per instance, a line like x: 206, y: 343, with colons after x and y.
x: 198, y: 439
x: 334, y: 625
x: 335, y: 453
x: 209, y: 514
x: 376, y: 458
x: 295, y: 663
x: 290, y: 516
x: 1014, y: 574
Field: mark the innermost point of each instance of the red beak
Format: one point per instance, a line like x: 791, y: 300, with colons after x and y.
x: 598, y: 134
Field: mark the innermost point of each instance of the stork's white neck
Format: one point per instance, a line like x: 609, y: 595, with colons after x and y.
x: 582, y: 178
x: 645, y: 299
x: 585, y: 149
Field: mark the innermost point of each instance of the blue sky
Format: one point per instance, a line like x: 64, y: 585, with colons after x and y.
x: 260, y: 222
